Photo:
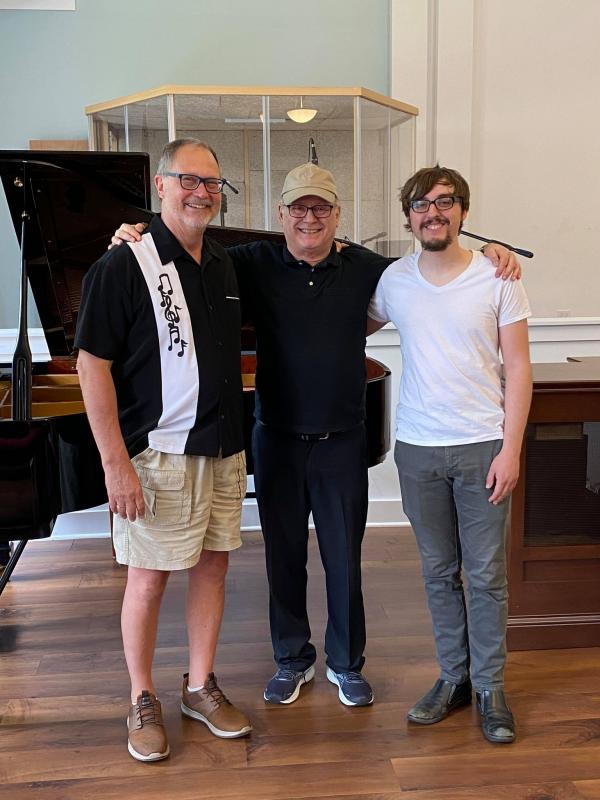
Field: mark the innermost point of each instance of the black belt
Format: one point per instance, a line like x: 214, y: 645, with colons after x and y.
x: 314, y: 437
x: 304, y: 437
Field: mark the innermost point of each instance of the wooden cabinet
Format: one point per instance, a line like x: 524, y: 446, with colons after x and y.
x: 554, y: 550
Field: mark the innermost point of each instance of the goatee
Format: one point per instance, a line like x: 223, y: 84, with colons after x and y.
x: 436, y: 245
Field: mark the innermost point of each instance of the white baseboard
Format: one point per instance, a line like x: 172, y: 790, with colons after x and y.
x: 93, y: 523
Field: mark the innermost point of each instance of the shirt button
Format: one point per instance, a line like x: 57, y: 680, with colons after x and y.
x: 222, y: 416
x: 311, y: 283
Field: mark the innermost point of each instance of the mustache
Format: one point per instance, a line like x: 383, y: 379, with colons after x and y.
x: 438, y: 220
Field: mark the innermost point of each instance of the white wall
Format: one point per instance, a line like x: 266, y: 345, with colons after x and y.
x: 517, y: 114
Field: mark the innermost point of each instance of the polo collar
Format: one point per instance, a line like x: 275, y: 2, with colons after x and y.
x: 333, y: 258
x: 169, y: 248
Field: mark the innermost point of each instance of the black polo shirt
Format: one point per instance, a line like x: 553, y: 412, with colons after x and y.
x: 173, y: 335
x: 310, y: 333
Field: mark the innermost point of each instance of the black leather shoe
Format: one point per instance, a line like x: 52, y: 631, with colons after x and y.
x: 497, y: 721
x: 439, y: 701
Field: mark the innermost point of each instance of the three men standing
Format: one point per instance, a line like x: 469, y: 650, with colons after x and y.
x: 309, y: 304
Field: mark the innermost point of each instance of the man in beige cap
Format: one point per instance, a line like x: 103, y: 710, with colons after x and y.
x: 308, y: 300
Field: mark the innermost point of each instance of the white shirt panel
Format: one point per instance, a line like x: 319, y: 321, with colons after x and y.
x: 178, y: 365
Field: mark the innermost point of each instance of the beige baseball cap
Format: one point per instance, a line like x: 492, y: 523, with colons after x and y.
x: 308, y: 179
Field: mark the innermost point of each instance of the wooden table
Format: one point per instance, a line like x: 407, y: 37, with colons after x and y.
x: 554, y: 558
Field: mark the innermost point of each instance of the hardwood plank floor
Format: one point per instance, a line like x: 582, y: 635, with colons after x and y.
x: 64, y: 689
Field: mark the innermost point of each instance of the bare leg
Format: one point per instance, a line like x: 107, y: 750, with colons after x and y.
x: 205, y: 603
x: 139, y: 621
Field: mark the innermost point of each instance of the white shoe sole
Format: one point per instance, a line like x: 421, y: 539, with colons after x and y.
x: 149, y: 757
x: 308, y: 676
x: 332, y: 678
x: 189, y: 712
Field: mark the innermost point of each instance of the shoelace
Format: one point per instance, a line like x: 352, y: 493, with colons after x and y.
x: 351, y: 677
x: 216, y: 695
x: 147, y: 712
x: 286, y: 675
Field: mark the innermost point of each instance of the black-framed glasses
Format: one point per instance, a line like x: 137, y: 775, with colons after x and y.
x: 298, y: 211
x: 443, y: 203
x: 191, y: 182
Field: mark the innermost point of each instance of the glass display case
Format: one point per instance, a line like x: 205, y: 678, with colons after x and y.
x: 366, y: 139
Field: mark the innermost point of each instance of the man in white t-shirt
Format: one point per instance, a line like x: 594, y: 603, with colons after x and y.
x: 459, y: 434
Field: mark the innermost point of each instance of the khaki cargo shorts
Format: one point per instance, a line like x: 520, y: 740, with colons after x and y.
x: 192, y: 502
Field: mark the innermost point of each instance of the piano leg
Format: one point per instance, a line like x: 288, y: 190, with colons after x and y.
x: 12, y: 563
x: 4, y: 554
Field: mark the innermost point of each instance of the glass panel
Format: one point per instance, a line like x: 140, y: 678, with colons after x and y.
x: 374, y: 175
x: 385, y: 162
x: 562, y: 484
x: 331, y: 129
x: 148, y: 133
x: 402, y: 141
x: 232, y: 125
x: 109, y: 130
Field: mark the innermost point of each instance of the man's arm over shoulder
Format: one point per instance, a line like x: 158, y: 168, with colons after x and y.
x: 378, y: 314
x: 125, y: 495
x: 503, y: 260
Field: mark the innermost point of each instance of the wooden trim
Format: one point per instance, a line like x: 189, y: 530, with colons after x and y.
x: 553, y: 631
x: 59, y: 144
x: 342, y: 91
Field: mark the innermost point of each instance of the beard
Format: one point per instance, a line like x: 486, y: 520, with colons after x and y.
x: 436, y: 245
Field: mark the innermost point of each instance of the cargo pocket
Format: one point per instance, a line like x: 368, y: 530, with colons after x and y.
x: 167, y: 497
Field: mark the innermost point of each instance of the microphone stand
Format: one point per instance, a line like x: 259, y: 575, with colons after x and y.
x: 519, y: 250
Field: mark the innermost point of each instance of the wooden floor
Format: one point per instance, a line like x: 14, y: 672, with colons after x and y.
x: 64, y: 695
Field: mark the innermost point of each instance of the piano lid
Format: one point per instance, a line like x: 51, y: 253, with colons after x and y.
x: 76, y: 200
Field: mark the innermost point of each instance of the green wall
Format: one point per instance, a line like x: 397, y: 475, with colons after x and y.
x: 53, y: 64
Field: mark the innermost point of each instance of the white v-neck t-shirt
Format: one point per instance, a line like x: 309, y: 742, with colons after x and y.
x: 450, y: 391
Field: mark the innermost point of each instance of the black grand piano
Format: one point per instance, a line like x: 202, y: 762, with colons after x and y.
x: 71, y: 203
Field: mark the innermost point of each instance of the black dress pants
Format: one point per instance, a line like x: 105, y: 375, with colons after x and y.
x: 328, y: 477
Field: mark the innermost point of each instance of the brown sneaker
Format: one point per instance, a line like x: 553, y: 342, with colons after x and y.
x: 147, y: 738
x: 210, y: 706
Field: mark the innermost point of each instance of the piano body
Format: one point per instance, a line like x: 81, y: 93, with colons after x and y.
x: 49, y: 463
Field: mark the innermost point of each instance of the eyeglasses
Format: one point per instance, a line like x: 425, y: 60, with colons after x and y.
x: 191, y: 182
x: 299, y: 211
x: 443, y: 203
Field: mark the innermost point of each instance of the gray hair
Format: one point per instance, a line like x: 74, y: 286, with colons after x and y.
x: 171, y: 148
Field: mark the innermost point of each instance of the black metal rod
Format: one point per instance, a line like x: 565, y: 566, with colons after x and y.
x: 8, y: 569
x: 21, y: 364
x: 519, y: 250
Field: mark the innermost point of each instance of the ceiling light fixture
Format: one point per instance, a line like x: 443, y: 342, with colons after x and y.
x: 302, y: 114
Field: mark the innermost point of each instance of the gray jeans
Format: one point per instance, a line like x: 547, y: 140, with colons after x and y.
x: 457, y: 529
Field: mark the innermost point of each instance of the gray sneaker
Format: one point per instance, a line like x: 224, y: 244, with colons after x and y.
x: 354, y: 688
x: 284, y: 686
